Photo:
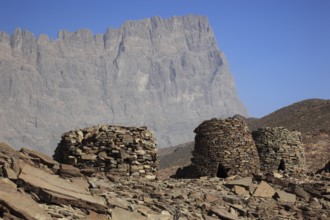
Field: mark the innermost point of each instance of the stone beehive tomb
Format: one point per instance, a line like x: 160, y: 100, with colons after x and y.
x: 124, y: 151
x: 279, y: 149
x: 224, y: 148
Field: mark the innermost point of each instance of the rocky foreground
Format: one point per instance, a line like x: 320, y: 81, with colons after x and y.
x: 34, y: 186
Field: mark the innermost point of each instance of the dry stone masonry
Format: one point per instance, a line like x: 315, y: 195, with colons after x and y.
x: 280, y: 149
x: 224, y: 148
x: 123, y: 151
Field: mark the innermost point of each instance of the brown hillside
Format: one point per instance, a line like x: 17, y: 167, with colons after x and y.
x: 307, y: 116
x: 311, y: 117
x: 178, y: 155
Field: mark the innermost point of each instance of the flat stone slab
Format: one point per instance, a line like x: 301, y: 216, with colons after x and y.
x: 20, y: 205
x: 68, y: 170
x: 240, y: 191
x: 116, y: 202
x: 93, y: 216
x: 223, y: 214
x: 264, y: 190
x: 299, y: 191
x: 284, y: 196
x: 246, y: 182
x: 53, y: 189
x: 162, y: 217
x: 120, y: 214
x: 45, y: 159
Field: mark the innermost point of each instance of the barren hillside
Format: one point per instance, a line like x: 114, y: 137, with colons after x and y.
x: 311, y: 117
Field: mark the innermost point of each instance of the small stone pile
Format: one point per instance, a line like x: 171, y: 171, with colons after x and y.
x: 280, y: 149
x: 224, y: 148
x: 123, y: 151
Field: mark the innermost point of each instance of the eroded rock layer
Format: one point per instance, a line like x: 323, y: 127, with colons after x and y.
x: 125, y: 151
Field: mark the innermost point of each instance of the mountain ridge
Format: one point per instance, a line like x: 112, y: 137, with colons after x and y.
x: 167, y: 74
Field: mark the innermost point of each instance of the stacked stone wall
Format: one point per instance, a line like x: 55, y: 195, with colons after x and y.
x: 224, y: 148
x: 280, y: 149
x: 124, y: 151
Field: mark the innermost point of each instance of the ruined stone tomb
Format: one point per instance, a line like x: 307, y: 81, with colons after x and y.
x: 280, y: 149
x: 124, y: 151
x: 224, y: 148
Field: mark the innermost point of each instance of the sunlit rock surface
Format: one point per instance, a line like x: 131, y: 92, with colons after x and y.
x: 167, y: 74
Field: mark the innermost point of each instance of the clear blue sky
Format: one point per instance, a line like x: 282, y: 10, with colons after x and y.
x: 278, y: 50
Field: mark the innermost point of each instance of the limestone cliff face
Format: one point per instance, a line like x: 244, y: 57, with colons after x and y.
x: 167, y: 74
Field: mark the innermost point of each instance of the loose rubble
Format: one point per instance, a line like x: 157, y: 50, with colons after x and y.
x: 124, y: 151
x: 38, y: 193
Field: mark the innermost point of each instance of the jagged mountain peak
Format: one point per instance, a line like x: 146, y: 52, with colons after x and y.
x: 167, y: 74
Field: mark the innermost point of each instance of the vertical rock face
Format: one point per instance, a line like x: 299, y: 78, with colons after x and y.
x: 166, y: 74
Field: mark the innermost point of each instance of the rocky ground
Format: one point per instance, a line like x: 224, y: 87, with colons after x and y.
x: 33, y: 186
